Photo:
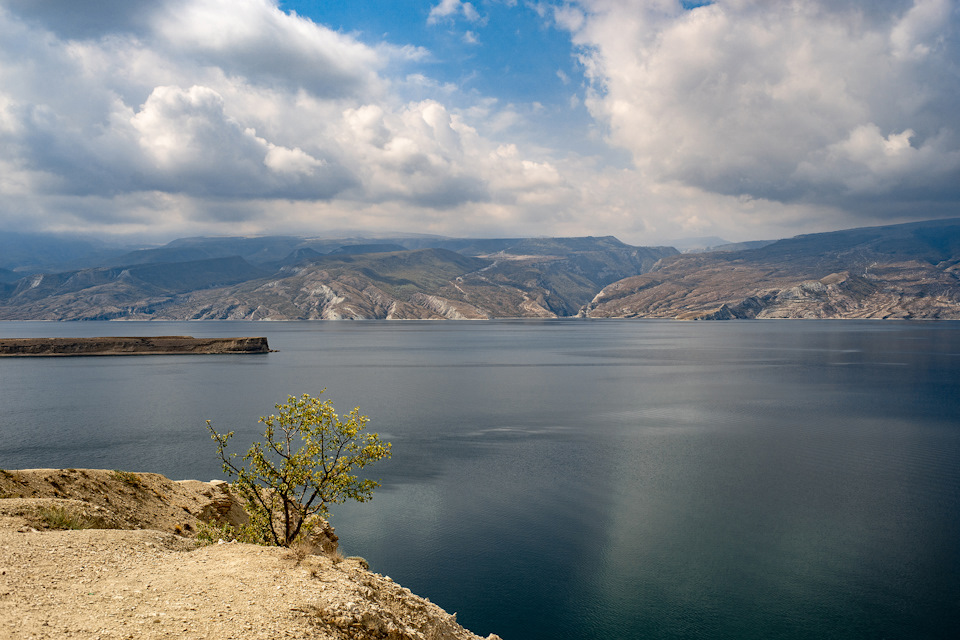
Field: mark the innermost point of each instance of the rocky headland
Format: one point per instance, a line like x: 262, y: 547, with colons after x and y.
x: 125, y: 346
x: 109, y: 554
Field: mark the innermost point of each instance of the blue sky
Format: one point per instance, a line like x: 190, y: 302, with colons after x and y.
x: 650, y: 120
x: 508, y: 51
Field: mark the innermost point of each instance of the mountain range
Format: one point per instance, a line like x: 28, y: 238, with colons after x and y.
x: 286, y: 278
x: 898, y: 271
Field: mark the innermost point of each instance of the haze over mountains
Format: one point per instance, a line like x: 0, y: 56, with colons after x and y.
x: 902, y: 271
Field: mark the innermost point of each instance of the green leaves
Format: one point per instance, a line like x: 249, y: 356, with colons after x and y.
x: 304, y: 463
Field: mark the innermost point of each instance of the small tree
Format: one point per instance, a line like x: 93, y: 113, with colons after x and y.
x: 287, y: 486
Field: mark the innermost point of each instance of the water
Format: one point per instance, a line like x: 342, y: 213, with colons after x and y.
x: 581, y: 480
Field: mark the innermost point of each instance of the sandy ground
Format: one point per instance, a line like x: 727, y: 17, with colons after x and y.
x: 147, y: 577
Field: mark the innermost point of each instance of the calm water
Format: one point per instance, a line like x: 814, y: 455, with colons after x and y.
x: 581, y: 480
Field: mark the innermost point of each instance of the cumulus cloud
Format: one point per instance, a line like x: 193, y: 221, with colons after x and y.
x: 869, y: 164
x: 814, y: 101
x: 190, y: 145
x: 175, y: 117
x: 255, y: 40
x: 920, y: 29
x: 193, y: 104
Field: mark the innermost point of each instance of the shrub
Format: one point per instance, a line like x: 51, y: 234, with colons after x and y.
x: 55, y: 517
x: 305, y: 463
x: 128, y: 478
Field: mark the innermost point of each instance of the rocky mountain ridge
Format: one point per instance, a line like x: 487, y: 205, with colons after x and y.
x: 546, y: 277
x: 897, y: 272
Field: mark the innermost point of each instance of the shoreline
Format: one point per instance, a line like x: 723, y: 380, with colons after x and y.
x: 96, y: 554
x: 129, y: 346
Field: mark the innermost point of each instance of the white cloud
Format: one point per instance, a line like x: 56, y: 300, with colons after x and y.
x: 291, y: 161
x: 450, y: 9
x: 255, y: 40
x: 470, y: 13
x: 744, y: 97
x: 921, y: 29
x: 191, y: 145
x: 869, y: 163
x: 743, y: 119
x: 188, y: 127
x: 227, y: 101
x: 568, y: 17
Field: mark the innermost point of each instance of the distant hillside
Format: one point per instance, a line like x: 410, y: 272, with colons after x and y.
x: 7, y: 280
x: 735, y: 246
x: 295, y: 278
x: 118, y: 292
x: 33, y: 252
x: 704, y: 243
x: 354, y: 249
x: 899, y: 271
x: 253, y: 250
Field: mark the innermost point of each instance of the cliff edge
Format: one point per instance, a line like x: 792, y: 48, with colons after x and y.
x: 107, y: 554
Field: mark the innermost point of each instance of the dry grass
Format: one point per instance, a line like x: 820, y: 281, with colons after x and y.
x: 56, y: 517
x: 301, y: 548
x: 128, y: 478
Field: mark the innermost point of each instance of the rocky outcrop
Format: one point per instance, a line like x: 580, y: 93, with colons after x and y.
x: 153, y: 345
x: 88, y: 553
x: 450, y: 309
x: 743, y: 310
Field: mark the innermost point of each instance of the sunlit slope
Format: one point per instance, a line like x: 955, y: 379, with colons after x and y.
x: 901, y: 271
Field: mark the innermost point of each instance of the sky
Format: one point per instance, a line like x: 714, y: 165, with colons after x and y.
x: 649, y: 120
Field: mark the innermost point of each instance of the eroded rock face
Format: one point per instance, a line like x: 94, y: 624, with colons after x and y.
x: 222, y: 506
x: 505, y: 278
x: 451, y: 309
x: 901, y: 271
x: 891, y: 293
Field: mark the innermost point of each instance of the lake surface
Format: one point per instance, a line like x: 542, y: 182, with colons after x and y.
x: 583, y: 480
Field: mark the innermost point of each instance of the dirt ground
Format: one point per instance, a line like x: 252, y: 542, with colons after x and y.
x: 144, y: 575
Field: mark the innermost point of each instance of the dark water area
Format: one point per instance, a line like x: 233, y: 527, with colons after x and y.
x: 579, y: 479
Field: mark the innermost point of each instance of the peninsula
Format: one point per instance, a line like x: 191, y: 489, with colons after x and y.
x: 90, y: 553
x: 126, y: 346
